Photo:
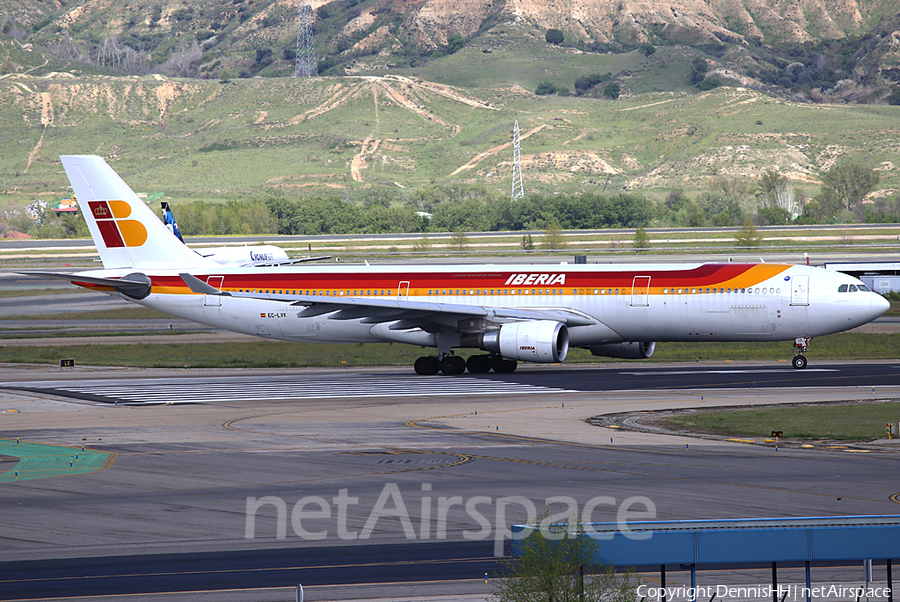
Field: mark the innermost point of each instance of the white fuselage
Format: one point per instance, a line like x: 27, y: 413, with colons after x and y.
x: 697, y: 302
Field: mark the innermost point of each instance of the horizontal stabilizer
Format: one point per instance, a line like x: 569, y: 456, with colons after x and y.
x: 136, y: 286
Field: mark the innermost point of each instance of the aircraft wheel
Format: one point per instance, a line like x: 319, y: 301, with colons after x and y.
x: 453, y: 364
x: 502, y: 366
x: 799, y: 362
x: 479, y: 364
x: 427, y: 366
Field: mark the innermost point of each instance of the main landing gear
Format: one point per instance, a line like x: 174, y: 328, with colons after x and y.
x: 453, y: 364
x: 800, y: 346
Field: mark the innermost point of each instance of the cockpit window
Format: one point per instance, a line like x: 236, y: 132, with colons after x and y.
x: 842, y: 288
x: 853, y: 288
x: 864, y: 288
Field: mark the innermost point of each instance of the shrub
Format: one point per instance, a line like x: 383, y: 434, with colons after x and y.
x: 612, y: 90
x: 555, y: 37
x: 545, y: 88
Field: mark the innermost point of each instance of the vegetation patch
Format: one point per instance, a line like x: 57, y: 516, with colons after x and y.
x: 851, y: 421
x: 271, y: 354
x: 122, y: 313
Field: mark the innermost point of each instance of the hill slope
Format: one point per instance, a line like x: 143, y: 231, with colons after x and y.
x: 207, y: 139
x: 783, y: 44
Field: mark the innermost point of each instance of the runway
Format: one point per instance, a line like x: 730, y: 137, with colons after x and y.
x: 390, y: 473
x: 528, y: 380
x: 201, y: 390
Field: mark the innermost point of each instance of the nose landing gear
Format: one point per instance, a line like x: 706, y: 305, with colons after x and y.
x: 800, y: 346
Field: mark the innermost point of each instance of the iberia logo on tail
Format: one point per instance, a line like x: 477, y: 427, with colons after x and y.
x: 115, y: 229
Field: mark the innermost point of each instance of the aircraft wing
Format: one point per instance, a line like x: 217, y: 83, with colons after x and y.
x: 411, y: 314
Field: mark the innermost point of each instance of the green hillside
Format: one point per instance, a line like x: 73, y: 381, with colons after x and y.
x: 208, y: 139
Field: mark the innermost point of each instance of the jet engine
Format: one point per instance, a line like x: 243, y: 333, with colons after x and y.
x: 542, y: 341
x: 627, y: 351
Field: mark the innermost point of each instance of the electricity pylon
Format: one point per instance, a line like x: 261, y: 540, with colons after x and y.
x: 518, y: 190
x: 306, y: 63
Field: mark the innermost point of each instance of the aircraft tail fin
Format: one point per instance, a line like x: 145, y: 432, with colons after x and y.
x: 127, y: 233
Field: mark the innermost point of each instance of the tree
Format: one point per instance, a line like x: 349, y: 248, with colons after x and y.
x: 545, y: 89
x: 612, y: 90
x: 894, y: 97
x: 699, y: 68
x: 553, y: 237
x: 748, y: 236
x: 585, y: 83
x: 459, y: 242
x: 709, y: 83
x: 180, y: 62
x: 641, y: 240
x: 423, y: 245
x: 555, y: 37
x: 849, y: 183
x: 775, y: 192
x: 527, y: 243
x: 455, y: 42
x: 550, y: 565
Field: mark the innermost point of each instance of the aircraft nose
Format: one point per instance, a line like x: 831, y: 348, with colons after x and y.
x: 879, y: 305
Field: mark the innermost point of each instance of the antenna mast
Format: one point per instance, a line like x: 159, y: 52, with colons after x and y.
x: 518, y: 190
x: 307, y: 63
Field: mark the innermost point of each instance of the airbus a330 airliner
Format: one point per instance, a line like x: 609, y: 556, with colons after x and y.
x: 511, y: 312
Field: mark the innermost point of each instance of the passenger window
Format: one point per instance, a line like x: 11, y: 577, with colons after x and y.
x: 842, y: 288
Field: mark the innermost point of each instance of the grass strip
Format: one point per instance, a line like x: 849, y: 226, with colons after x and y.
x: 122, y: 313
x: 36, y: 292
x: 837, y: 422
x: 276, y: 354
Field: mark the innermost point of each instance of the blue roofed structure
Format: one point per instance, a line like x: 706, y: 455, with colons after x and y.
x: 750, y: 542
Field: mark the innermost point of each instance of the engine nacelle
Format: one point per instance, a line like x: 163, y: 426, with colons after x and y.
x: 627, y: 351
x: 542, y: 341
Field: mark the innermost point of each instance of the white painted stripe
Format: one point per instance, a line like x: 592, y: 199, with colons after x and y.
x: 200, y: 390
